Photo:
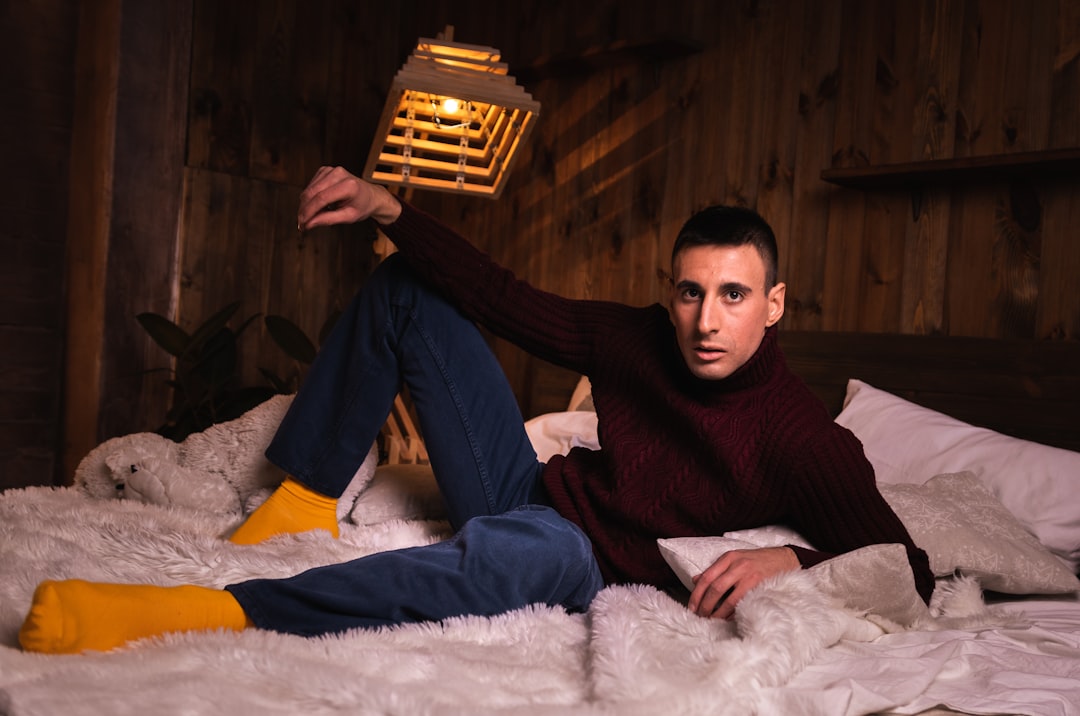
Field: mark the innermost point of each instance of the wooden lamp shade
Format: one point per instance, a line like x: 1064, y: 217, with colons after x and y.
x: 454, y: 121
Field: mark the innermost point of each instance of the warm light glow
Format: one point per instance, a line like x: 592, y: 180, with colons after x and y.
x: 454, y: 121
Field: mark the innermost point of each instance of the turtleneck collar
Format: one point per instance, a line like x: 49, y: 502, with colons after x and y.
x: 754, y: 372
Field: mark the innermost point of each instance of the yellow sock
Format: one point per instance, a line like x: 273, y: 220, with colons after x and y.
x: 73, y: 615
x: 292, y: 508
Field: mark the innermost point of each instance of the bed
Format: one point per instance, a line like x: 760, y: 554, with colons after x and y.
x: 974, y: 443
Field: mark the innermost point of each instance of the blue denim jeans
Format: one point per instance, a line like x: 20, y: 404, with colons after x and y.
x: 510, y: 549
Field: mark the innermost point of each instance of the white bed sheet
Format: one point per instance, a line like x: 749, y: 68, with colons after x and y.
x: 1033, y: 670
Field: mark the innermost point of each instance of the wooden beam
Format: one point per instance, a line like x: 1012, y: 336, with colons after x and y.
x: 603, y: 57
x: 89, y: 213
x: 123, y: 225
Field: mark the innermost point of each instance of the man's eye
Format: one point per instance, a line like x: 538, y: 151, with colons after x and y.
x: 734, y: 296
x: 691, y: 294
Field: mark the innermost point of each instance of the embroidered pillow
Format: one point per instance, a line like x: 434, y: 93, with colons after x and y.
x: 958, y: 522
x: 906, y: 443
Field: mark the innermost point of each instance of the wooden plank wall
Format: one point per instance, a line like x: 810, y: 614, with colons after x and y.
x: 628, y: 145
x: 37, y: 66
x: 274, y: 94
x: 127, y: 154
x: 781, y: 91
x: 624, y: 152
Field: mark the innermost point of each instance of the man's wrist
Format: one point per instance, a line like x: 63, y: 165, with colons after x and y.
x: 389, y: 207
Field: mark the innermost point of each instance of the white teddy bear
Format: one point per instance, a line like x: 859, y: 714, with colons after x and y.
x: 220, y: 470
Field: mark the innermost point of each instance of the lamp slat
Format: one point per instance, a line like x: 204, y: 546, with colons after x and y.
x: 429, y: 146
x: 468, y: 63
x: 433, y: 164
x: 429, y: 165
x: 436, y: 184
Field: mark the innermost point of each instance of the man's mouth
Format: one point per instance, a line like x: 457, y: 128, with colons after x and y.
x: 709, y: 353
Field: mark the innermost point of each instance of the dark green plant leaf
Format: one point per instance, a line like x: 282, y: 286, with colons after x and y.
x: 205, y: 377
x: 212, y: 325
x: 165, y: 333
x: 247, y: 322
x: 291, y: 339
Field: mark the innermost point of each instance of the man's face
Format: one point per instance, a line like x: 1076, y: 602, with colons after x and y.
x: 720, y: 307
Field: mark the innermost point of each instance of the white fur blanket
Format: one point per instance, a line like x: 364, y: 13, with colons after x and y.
x: 636, y: 652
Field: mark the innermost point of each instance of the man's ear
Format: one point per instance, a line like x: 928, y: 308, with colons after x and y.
x: 776, y: 304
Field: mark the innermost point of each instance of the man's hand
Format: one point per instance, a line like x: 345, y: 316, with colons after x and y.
x: 334, y: 196
x: 720, y: 587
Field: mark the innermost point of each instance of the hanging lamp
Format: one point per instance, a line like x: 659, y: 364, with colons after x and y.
x: 454, y: 121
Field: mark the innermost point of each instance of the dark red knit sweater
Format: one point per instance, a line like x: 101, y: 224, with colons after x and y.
x: 680, y: 456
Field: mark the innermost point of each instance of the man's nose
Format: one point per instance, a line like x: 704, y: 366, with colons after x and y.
x: 708, y: 318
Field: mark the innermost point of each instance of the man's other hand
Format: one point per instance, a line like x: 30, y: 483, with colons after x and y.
x: 719, y: 588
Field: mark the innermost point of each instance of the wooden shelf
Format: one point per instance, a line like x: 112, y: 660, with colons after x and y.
x: 606, y: 56
x: 1051, y: 163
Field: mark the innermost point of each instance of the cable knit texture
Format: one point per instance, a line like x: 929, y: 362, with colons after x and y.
x: 679, y: 456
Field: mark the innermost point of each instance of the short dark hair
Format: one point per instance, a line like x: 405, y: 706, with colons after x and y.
x: 721, y: 225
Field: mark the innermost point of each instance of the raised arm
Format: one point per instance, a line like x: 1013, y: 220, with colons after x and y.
x: 552, y: 327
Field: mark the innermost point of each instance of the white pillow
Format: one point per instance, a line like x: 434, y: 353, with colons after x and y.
x: 956, y: 520
x: 555, y: 433
x: 399, y: 492
x: 770, y: 536
x: 690, y: 556
x: 907, y: 443
x: 874, y: 579
x: 409, y: 492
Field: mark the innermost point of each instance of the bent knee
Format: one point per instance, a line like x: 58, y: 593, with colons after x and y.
x: 547, y: 555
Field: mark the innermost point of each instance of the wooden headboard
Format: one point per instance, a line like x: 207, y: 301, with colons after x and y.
x: 1025, y: 388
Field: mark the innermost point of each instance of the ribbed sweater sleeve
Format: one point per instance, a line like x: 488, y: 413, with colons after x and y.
x: 837, y: 507
x: 549, y: 326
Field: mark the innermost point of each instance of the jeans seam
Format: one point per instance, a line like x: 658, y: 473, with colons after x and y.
x: 481, y: 467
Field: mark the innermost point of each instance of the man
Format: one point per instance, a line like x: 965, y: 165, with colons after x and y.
x: 702, y: 427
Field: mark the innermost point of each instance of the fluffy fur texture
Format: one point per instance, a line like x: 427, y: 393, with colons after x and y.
x: 636, y: 652
x: 220, y: 470
x: 637, y: 648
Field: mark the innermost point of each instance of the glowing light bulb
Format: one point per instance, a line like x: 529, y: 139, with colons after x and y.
x: 451, y: 105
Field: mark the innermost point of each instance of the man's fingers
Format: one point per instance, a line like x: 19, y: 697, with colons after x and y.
x: 328, y: 186
x: 726, y: 608
x: 722, y: 586
x: 711, y: 606
x: 708, y: 593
